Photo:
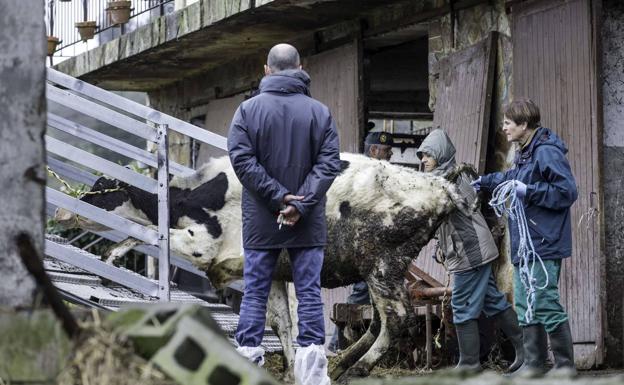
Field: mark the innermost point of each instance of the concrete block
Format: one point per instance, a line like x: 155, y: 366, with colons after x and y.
x: 150, y: 327
x: 197, y: 355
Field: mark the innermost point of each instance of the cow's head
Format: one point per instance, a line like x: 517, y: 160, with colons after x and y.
x: 107, y: 194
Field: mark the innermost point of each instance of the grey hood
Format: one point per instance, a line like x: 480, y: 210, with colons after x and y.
x: 439, y: 146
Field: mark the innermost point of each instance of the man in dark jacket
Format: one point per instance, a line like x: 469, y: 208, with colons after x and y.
x: 283, y: 146
x: 547, y: 189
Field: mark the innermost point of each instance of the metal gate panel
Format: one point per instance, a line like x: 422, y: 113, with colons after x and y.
x: 554, y: 51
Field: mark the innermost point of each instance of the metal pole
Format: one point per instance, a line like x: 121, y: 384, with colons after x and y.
x: 163, y: 213
x: 428, y: 337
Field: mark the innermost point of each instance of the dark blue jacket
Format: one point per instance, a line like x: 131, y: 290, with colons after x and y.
x: 551, y: 191
x: 282, y: 141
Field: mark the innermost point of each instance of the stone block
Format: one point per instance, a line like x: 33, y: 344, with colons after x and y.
x: 197, y: 355
x: 151, y: 327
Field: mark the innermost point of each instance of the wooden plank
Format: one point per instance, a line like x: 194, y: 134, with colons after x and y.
x: 463, y: 99
x: 421, y: 274
x: 462, y: 110
x: 555, y: 56
x: 335, y: 82
x: 135, y: 108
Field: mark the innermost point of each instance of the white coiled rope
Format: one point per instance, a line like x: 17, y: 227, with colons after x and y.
x: 504, y: 201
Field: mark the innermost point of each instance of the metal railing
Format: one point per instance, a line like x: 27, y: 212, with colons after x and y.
x: 61, y: 16
x: 141, y: 121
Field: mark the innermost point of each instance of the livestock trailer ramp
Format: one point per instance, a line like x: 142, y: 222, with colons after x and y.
x: 86, y: 288
x: 73, y: 146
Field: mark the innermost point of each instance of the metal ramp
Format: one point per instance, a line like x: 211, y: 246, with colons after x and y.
x: 82, y: 276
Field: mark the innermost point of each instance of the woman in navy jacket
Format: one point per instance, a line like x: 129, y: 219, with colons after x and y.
x: 547, y: 190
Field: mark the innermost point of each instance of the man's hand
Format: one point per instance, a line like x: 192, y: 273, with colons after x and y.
x: 520, y: 189
x: 289, y: 198
x: 289, y: 215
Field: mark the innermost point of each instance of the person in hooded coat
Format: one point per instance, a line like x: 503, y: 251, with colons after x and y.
x: 283, y: 146
x: 467, y: 249
x: 547, y: 189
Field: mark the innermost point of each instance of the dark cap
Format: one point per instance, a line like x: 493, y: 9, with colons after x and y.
x: 379, y: 138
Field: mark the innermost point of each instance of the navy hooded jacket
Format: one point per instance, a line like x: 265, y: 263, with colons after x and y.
x: 551, y: 191
x: 283, y: 142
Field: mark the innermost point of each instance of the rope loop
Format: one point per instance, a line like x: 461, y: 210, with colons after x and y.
x: 505, y: 202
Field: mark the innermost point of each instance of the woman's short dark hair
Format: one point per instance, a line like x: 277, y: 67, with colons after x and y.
x: 523, y: 110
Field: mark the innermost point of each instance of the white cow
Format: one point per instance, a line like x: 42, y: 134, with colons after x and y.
x: 379, y: 216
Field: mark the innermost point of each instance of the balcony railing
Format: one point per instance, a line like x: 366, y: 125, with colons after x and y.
x: 61, y: 16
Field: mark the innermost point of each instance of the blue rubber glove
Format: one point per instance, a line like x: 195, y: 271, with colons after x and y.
x: 520, y: 189
x: 476, y: 184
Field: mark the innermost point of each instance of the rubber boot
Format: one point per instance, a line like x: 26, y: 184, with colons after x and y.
x: 563, y: 350
x: 508, y: 322
x: 468, y: 341
x: 535, y: 352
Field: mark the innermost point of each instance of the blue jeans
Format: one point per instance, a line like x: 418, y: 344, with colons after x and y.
x: 306, y: 263
x: 475, y: 291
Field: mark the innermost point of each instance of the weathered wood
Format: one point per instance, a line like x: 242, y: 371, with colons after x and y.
x: 556, y: 37
x: 336, y: 83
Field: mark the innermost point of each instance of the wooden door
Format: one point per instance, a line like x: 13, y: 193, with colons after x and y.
x: 554, y: 63
x: 462, y: 110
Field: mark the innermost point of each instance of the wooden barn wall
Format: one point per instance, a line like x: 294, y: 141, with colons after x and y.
x: 336, y: 82
x: 554, y: 64
x: 219, y: 115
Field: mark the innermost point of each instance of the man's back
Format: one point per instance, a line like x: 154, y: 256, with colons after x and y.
x: 288, y: 133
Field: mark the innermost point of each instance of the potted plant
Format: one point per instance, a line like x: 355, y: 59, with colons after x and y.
x: 119, y: 11
x: 53, y: 41
x: 86, y: 29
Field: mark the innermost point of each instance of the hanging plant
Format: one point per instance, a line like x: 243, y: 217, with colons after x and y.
x: 86, y: 29
x: 53, y: 42
x: 119, y: 11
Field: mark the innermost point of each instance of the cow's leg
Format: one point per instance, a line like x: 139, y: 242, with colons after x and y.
x: 354, y: 352
x: 391, y: 300
x: 121, y: 249
x: 278, y: 316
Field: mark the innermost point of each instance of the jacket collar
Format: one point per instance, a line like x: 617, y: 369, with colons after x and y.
x: 287, y: 81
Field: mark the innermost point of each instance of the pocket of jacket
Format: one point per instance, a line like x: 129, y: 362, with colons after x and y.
x: 535, y: 226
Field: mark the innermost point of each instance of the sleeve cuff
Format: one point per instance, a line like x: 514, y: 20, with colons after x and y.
x: 299, y: 206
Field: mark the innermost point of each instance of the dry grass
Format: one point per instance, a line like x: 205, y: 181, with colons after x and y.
x: 105, y: 358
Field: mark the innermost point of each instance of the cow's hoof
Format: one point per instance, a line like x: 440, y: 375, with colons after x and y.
x: 356, y: 371
x: 289, y: 377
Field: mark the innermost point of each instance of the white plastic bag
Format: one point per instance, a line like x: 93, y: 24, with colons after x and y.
x: 311, y: 366
x: 253, y: 354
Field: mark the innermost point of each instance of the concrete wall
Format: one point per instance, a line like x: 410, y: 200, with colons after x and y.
x: 613, y: 177
x: 22, y: 108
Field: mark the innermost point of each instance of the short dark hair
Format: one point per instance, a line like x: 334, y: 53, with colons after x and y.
x: 523, y: 110
x: 283, y: 57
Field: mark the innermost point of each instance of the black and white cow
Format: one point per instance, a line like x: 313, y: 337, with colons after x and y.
x: 379, y: 216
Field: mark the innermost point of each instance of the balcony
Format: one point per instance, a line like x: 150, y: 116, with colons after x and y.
x: 62, y: 15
